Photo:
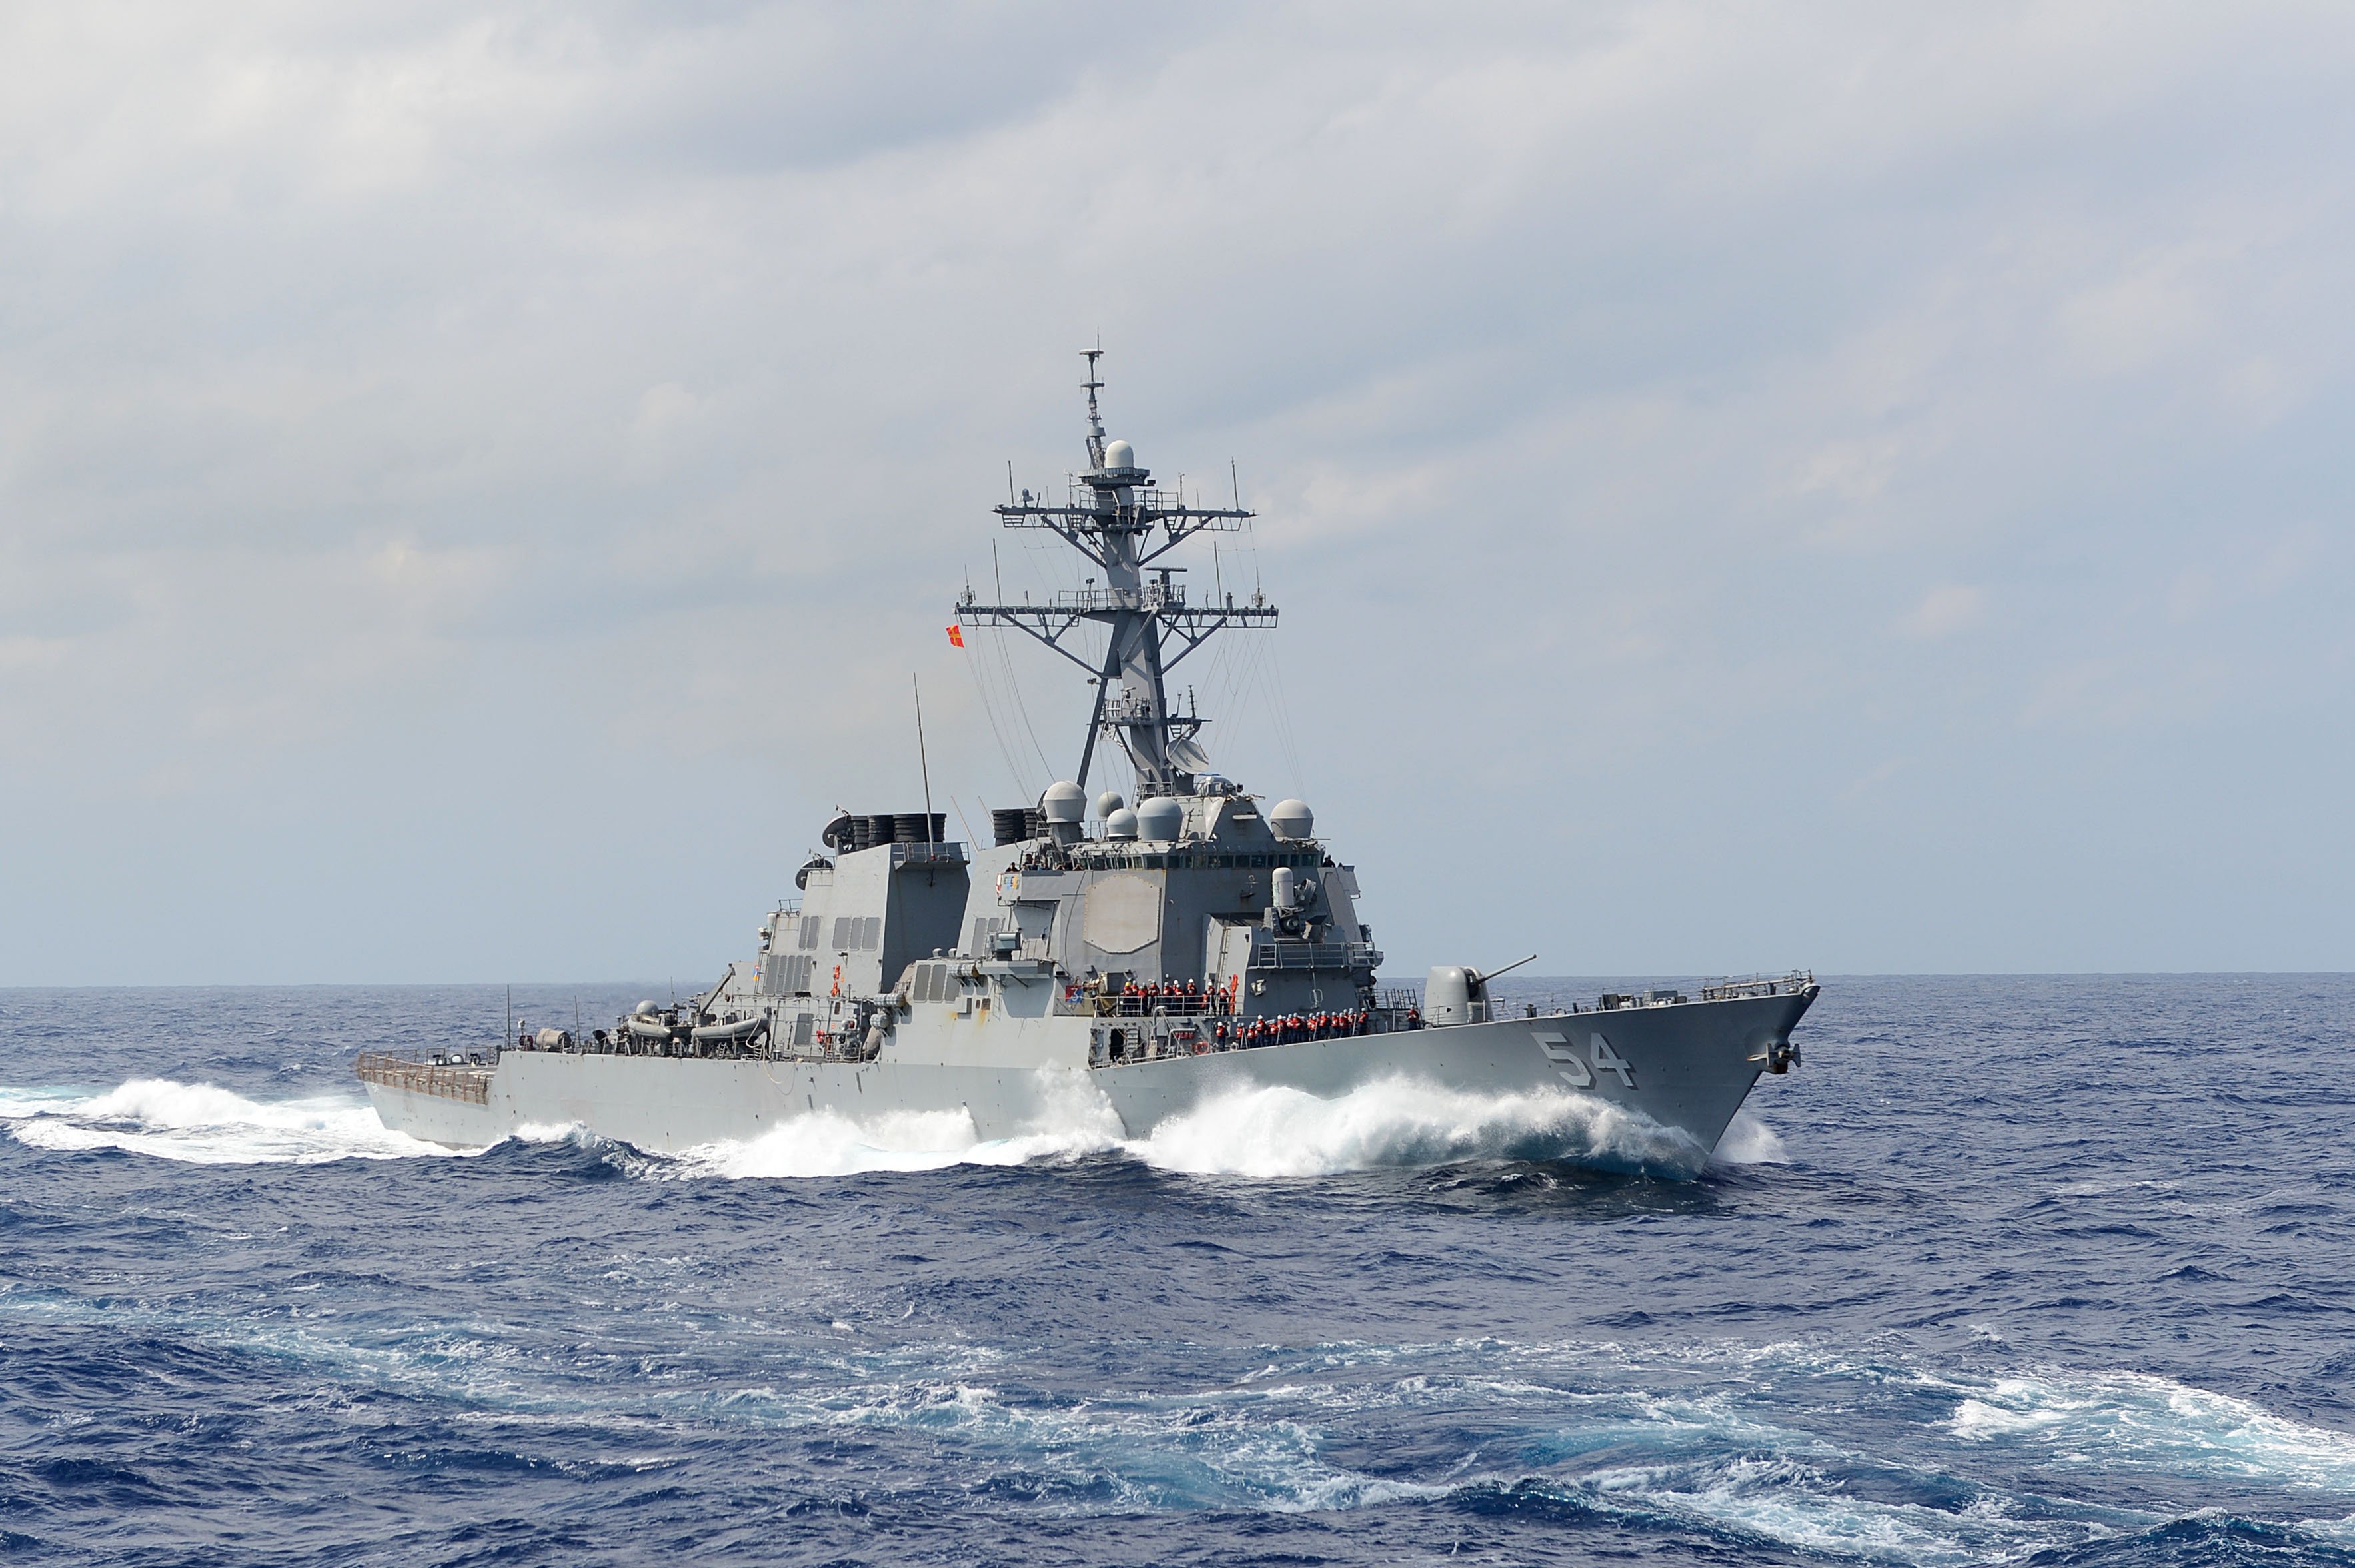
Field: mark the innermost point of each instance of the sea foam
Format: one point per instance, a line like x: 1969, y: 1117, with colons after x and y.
x: 2140, y: 1421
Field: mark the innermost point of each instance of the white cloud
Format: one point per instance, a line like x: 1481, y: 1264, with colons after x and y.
x: 1944, y: 610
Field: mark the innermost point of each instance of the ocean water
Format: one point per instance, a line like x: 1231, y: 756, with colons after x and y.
x: 2057, y: 1271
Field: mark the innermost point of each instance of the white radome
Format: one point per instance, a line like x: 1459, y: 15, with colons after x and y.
x: 1063, y: 802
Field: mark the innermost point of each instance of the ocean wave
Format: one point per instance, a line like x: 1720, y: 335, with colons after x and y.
x: 1565, y: 1428
x: 1551, y: 1438
x: 202, y: 1124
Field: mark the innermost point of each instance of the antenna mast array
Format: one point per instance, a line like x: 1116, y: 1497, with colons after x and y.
x: 1115, y: 516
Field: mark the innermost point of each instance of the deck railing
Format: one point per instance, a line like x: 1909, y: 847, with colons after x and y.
x: 469, y: 1083
x: 1293, y: 953
x: 1758, y: 985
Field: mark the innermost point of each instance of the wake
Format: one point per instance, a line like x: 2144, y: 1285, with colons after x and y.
x: 201, y: 1124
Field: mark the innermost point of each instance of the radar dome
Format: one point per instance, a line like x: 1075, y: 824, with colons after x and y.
x: 1108, y: 803
x: 1119, y: 454
x: 1160, y: 818
x: 1063, y: 802
x: 1120, y: 823
x: 1293, y: 819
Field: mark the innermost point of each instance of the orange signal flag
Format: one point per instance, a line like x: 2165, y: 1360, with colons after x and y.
x: 956, y: 637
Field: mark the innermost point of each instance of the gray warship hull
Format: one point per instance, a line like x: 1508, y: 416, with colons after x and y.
x: 1682, y: 1069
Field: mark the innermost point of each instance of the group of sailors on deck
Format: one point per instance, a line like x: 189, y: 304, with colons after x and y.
x: 1178, y: 997
x: 1139, y: 998
x: 1292, y: 1027
x: 1117, y: 996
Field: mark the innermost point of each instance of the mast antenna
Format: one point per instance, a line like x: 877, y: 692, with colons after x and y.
x: 1095, y: 424
x: 922, y: 763
x: 1121, y: 525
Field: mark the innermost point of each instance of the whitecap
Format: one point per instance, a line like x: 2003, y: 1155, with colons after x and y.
x: 1975, y: 1418
x: 2338, y: 1532
x: 1786, y: 1500
x: 2141, y: 1421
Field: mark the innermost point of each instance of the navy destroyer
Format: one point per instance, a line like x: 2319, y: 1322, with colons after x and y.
x: 1147, y: 953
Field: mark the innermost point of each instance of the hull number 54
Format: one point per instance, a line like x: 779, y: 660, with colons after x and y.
x: 1574, y: 1072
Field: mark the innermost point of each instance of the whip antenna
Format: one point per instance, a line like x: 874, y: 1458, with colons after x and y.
x: 921, y: 762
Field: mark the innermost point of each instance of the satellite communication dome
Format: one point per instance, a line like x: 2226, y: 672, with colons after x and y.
x: 1108, y: 803
x: 1063, y: 802
x: 1160, y: 818
x: 1119, y: 454
x: 1120, y: 823
x: 1293, y: 819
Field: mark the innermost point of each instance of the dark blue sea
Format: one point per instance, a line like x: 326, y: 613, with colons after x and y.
x: 2058, y: 1271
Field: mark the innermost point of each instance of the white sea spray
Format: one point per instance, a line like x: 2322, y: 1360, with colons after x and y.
x: 1272, y: 1131
x: 1264, y: 1132
x: 1749, y: 1141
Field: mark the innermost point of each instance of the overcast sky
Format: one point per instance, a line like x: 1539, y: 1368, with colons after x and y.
x: 1863, y: 486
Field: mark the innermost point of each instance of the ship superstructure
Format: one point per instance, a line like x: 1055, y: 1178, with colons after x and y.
x: 1154, y: 951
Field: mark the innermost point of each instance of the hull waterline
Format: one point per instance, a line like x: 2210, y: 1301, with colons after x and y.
x: 1685, y: 1068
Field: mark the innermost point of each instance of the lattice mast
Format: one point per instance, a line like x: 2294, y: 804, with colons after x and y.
x: 1115, y: 516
